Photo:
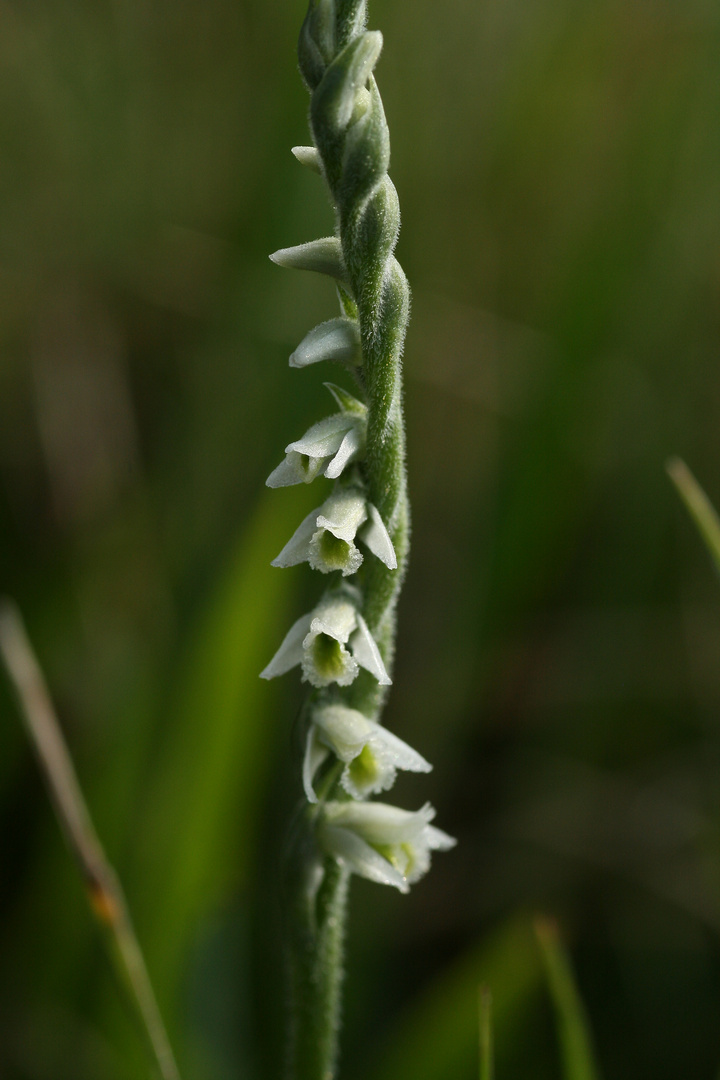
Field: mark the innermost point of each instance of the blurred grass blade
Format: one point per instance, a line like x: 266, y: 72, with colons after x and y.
x: 200, y: 817
x: 487, y: 1065
x: 438, y: 1036
x: 699, y: 506
x: 105, y: 893
x: 572, y: 1025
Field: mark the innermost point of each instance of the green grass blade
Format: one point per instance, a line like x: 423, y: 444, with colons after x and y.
x: 487, y: 1064
x: 698, y: 505
x: 437, y: 1037
x: 201, y: 815
x: 572, y: 1025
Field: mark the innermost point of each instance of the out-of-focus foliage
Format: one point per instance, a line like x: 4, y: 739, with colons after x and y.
x: 558, y: 165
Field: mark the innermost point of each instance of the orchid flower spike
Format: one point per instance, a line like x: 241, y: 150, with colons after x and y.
x: 382, y: 842
x: 371, y: 753
x: 327, y: 447
x: 326, y: 537
x: 331, y: 643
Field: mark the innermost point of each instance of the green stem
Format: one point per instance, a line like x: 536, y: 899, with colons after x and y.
x: 318, y: 906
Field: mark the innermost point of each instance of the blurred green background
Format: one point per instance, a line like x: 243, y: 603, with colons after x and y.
x: 558, y: 166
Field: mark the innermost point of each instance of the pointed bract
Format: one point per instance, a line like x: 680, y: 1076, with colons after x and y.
x: 308, y: 155
x: 324, y: 256
x: 337, y: 339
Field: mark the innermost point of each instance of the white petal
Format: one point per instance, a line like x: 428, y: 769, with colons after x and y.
x: 396, y: 751
x: 307, y: 155
x: 324, y: 256
x: 342, y: 514
x: 348, y: 450
x: 336, y: 618
x: 337, y: 339
x: 315, y: 754
x: 376, y: 537
x: 380, y: 823
x: 366, y: 652
x: 360, y: 857
x: 322, y: 439
x: 296, y: 549
x: 295, y: 469
x: 344, y: 730
x: 439, y: 840
x: 290, y: 652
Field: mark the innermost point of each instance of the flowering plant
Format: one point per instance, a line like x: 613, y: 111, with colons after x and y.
x: 358, y: 536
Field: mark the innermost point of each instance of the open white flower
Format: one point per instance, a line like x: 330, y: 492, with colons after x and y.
x: 326, y: 537
x: 331, y: 643
x: 371, y: 753
x: 327, y: 447
x: 382, y: 842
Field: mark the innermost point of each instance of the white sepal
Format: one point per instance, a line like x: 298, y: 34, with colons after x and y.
x: 350, y: 449
x: 315, y: 754
x: 336, y: 339
x: 376, y: 537
x: 290, y: 652
x: 366, y: 652
x: 296, y: 549
x: 295, y: 469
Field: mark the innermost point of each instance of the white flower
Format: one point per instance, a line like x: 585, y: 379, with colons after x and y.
x: 327, y: 447
x: 318, y: 642
x: 371, y: 753
x: 382, y: 842
x: 326, y: 537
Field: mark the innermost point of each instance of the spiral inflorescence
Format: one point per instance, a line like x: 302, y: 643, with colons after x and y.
x: 337, y: 57
x: 358, y: 537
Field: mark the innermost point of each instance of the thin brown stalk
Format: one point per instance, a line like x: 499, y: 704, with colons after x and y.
x: 104, y: 891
